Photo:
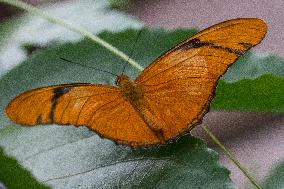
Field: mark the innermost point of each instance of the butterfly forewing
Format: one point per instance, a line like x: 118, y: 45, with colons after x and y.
x: 181, y: 83
x: 99, y: 107
x: 232, y: 37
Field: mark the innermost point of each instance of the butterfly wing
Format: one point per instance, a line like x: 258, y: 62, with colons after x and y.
x: 99, y: 107
x: 177, y: 88
x: 180, y: 84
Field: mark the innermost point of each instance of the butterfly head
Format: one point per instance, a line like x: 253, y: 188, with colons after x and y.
x: 122, y: 80
x: 131, y: 90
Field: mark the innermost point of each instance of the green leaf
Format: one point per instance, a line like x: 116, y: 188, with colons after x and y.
x: 20, y: 35
x: 263, y: 94
x: 275, y: 180
x: 121, y: 4
x: 15, y: 176
x: 7, y: 28
x: 252, y: 65
x: 70, y: 157
x: 73, y: 157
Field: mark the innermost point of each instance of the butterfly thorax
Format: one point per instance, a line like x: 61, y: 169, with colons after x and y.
x: 130, y: 90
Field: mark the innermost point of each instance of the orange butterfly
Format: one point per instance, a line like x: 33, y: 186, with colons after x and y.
x: 165, y: 101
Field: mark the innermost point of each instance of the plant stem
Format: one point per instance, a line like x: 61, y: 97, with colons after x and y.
x: 33, y: 10
x: 231, y: 157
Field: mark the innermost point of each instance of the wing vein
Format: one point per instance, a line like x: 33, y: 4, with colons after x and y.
x: 100, y: 108
x: 171, y: 80
x: 167, y: 69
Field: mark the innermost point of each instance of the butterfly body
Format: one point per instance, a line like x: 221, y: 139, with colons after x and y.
x: 165, y: 101
x: 130, y: 90
x: 133, y: 93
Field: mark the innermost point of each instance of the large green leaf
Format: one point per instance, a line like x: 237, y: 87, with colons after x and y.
x: 69, y: 156
x: 14, y: 176
x: 75, y: 157
x: 21, y: 35
x: 263, y: 94
x: 253, y: 65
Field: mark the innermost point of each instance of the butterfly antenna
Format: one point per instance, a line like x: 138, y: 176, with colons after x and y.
x: 132, y: 51
x: 78, y: 64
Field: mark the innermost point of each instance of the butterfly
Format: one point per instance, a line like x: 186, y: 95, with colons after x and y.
x: 165, y: 101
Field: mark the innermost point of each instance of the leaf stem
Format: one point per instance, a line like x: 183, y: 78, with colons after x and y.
x: 231, y: 157
x: 33, y: 10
